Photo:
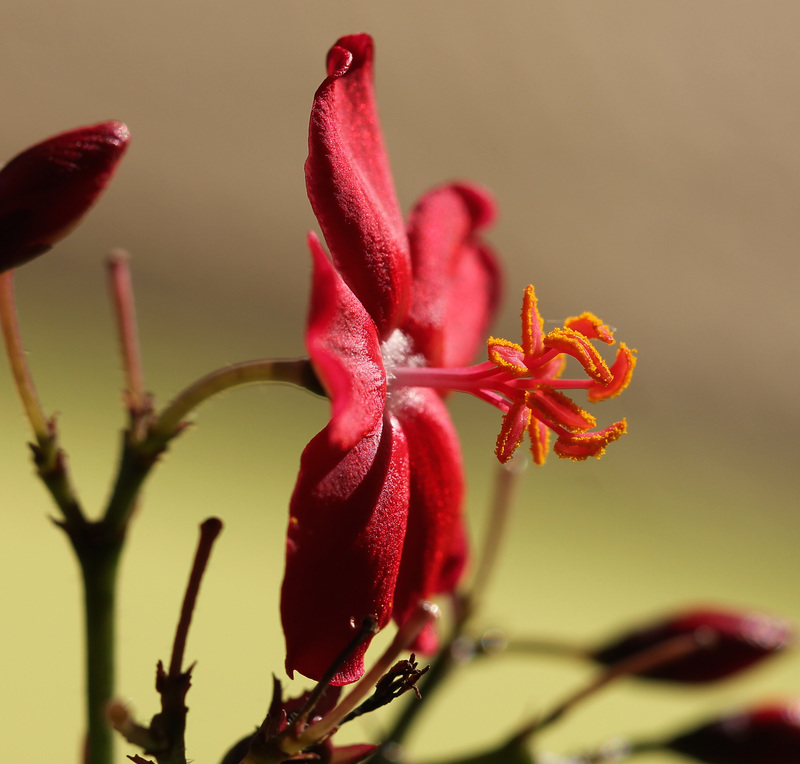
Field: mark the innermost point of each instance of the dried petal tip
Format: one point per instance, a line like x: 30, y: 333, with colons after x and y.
x: 46, y: 190
x: 768, y: 734
x: 728, y: 642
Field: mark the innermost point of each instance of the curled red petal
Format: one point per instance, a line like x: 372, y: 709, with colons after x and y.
x: 346, y: 527
x: 456, y: 284
x: 344, y: 347
x: 350, y: 186
x: 435, y: 503
x: 47, y: 189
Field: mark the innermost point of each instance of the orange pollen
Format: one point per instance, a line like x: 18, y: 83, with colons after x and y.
x: 523, y: 381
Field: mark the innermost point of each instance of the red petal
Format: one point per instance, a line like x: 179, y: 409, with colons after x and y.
x: 346, y: 528
x: 435, y: 503
x: 350, y: 186
x: 456, y: 560
x: 344, y: 348
x: 46, y: 190
x: 456, y: 277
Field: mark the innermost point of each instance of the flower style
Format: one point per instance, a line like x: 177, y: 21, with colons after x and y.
x: 396, y: 313
x: 47, y: 189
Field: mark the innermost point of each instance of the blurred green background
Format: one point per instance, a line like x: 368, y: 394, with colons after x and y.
x: 646, y: 162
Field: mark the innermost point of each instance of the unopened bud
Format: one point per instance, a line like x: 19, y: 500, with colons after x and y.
x: 727, y: 642
x: 768, y: 734
x: 47, y: 189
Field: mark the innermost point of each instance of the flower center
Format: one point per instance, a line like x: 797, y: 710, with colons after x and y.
x: 523, y: 381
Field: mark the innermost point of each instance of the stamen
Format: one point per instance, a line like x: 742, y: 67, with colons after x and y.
x: 575, y: 344
x: 512, y: 431
x: 621, y: 371
x: 509, y: 356
x: 557, y: 407
x: 532, y: 323
x: 580, y: 446
x: 523, y: 381
x: 591, y: 327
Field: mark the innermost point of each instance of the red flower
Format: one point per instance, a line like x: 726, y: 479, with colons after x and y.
x: 375, y: 519
x: 377, y: 506
x: 46, y: 190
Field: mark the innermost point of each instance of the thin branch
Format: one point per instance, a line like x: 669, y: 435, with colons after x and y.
x: 19, y: 364
x: 296, y: 372
x: 659, y: 655
x: 120, y: 286
x: 209, y: 530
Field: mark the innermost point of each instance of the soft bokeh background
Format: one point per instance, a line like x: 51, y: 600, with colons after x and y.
x: 645, y: 159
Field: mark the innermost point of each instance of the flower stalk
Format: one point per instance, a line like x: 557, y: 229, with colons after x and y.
x: 19, y: 365
x: 171, y: 420
x: 121, y: 289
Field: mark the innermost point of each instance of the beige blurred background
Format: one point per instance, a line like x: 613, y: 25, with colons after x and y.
x: 646, y: 161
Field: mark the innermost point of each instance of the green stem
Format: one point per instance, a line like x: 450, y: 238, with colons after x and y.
x: 98, y: 552
x: 296, y: 372
x: 19, y: 365
x: 134, y: 467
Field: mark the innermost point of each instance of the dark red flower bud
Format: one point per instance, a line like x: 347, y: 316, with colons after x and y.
x: 766, y: 735
x: 728, y: 642
x: 46, y: 190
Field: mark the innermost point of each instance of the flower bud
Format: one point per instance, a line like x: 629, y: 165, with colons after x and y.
x: 769, y: 734
x: 728, y: 642
x: 46, y: 190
